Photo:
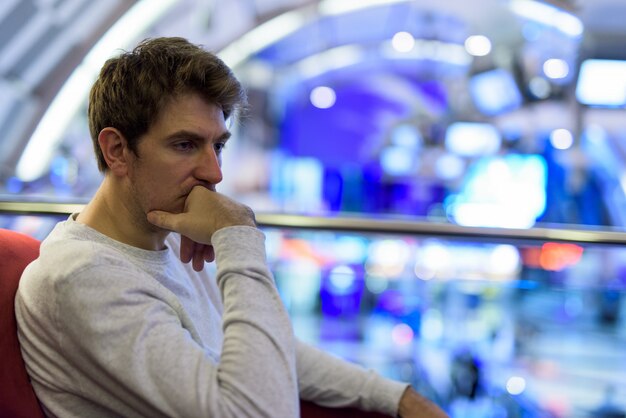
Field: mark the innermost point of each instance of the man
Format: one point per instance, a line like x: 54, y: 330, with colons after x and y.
x: 112, y: 323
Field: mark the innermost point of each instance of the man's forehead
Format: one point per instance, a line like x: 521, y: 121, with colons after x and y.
x: 193, y: 106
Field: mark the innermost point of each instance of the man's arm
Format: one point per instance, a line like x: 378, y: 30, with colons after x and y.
x: 330, y: 381
x: 414, y: 405
x: 333, y: 382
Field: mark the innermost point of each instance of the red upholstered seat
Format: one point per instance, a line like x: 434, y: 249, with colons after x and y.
x: 311, y: 410
x: 17, y: 398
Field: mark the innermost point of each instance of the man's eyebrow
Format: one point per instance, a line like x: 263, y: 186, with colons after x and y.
x: 185, y: 134
x: 225, y: 136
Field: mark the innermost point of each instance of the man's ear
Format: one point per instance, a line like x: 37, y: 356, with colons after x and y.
x: 115, y: 150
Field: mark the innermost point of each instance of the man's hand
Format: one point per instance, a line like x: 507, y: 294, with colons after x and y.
x: 414, y: 405
x: 205, y: 212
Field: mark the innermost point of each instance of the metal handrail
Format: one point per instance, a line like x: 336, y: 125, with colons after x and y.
x: 369, y: 224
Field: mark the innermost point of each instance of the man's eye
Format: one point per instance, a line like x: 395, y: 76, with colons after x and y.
x: 184, y: 146
x: 219, y: 147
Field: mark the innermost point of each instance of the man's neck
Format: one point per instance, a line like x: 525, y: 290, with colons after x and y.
x: 113, y: 215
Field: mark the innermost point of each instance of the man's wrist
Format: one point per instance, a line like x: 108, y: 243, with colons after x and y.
x: 414, y: 405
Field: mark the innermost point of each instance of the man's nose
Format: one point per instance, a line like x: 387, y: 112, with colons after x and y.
x: 209, y: 168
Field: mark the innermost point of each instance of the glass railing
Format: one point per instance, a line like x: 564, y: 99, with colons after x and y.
x: 488, y: 322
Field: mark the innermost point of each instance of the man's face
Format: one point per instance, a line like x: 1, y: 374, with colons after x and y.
x: 181, y: 150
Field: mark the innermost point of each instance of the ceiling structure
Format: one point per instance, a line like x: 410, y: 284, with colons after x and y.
x: 43, y: 41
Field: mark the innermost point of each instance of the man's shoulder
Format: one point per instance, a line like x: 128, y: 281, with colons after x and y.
x: 67, y: 249
x: 68, y: 255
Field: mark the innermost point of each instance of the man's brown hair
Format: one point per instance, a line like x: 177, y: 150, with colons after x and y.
x: 134, y: 87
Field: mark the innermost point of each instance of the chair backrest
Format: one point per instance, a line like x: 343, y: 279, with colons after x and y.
x: 17, y: 398
x: 311, y: 410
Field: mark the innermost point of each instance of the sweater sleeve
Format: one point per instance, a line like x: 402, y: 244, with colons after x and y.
x: 330, y: 381
x: 130, y: 344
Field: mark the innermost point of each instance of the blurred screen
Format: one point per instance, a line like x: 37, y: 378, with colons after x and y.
x: 472, y: 139
x: 501, y: 191
x: 494, y: 92
x: 602, y: 83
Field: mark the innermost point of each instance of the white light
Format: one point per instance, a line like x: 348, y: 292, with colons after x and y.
x: 472, y: 138
x: 387, y: 258
x: 48, y: 133
x: 432, y: 325
x: 478, y: 45
x: 602, y: 82
x: 494, y: 91
x: 389, y: 252
x: 342, y: 277
x: 261, y: 37
x: 516, y: 385
x: 335, y: 7
x: 449, y: 166
x: 258, y: 74
x: 326, y: 61
x: 561, y: 139
x: 435, y: 257
x: 569, y: 24
x: 423, y: 273
x: 431, y: 50
x: 556, y: 68
x: 539, y: 87
x: 397, y: 161
x: 323, y: 97
x: 549, y: 15
x: 303, y: 178
x: 375, y: 284
x: 403, y: 42
x: 484, y: 214
x: 506, y: 192
x: 504, y: 260
x: 407, y: 136
x: 349, y: 249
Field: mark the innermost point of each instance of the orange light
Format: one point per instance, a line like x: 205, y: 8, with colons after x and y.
x: 556, y: 256
x: 531, y: 257
x: 301, y: 249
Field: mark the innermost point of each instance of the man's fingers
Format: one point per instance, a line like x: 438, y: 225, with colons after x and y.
x: 186, y: 249
x: 198, y: 257
x: 209, y: 253
x: 197, y: 253
x: 162, y: 219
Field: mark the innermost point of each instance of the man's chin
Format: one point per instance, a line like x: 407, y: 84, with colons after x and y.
x: 178, y: 206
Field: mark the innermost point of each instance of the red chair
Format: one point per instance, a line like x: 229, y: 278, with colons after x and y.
x: 311, y: 410
x: 17, y: 398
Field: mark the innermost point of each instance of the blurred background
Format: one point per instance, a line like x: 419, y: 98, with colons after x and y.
x: 501, y: 114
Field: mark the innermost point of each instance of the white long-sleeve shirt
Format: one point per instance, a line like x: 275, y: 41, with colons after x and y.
x: 110, y: 330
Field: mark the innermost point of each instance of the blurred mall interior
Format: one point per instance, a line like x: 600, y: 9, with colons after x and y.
x: 471, y: 155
